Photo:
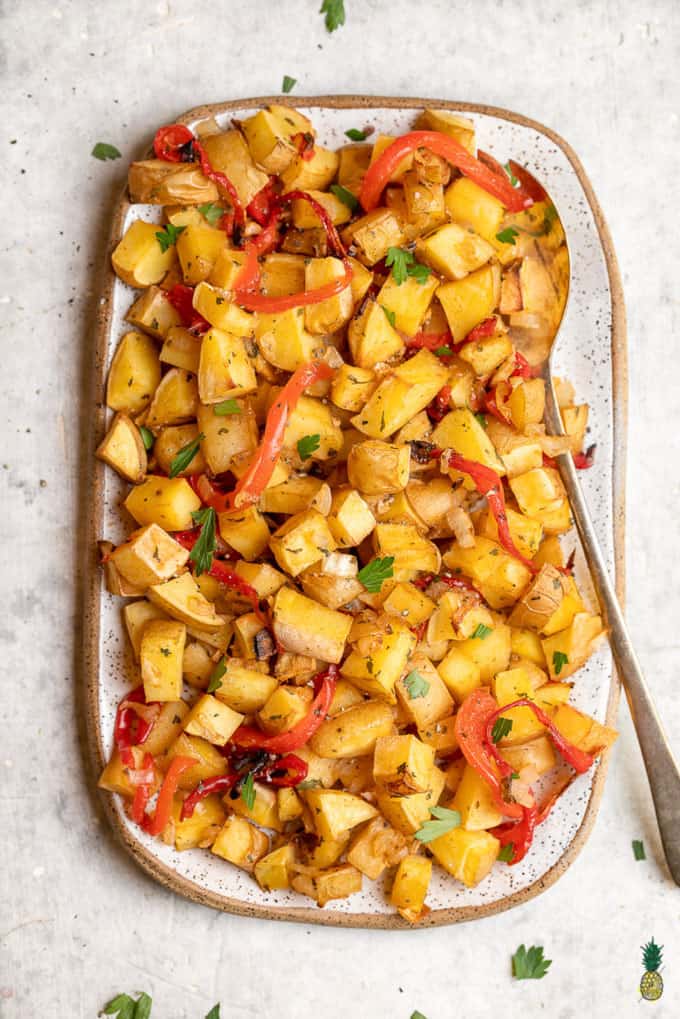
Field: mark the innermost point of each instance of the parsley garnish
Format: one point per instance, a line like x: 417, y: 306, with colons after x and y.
x: 168, y: 236
x: 104, y: 151
x: 202, y: 552
x: 501, y: 728
x: 529, y: 965
x: 403, y: 264
x: 214, y: 1012
x: 373, y: 574
x: 307, y: 445
x: 507, y: 852
x: 226, y: 407
x: 444, y: 352
x: 355, y: 135
x: 345, y: 196
x: 215, y: 681
x: 446, y: 820
x: 417, y: 1015
x: 185, y: 455
x: 481, y: 632
x: 416, y: 685
x: 126, y: 1007
x: 335, y: 13
x: 213, y: 213
x: 559, y: 661
x: 549, y: 218
x: 389, y: 315
x: 639, y: 849
x: 508, y: 170
x: 248, y: 791
x: 288, y: 83
x: 481, y: 418
x: 147, y: 437
x: 508, y: 235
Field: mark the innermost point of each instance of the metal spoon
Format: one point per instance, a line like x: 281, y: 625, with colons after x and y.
x: 662, y: 769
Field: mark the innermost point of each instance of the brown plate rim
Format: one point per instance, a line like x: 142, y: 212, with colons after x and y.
x: 92, y: 587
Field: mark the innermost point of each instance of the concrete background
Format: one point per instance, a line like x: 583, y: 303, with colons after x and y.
x: 78, y: 921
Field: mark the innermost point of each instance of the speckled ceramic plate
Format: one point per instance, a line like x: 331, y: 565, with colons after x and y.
x: 593, y: 356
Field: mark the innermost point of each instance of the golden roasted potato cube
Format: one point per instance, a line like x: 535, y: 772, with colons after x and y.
x: 352, y: 386
x: 149, y: 556
x: 441, y: 736
x: 226, y: 268
x: 138, y: 259
x: 541, y: 494
x: 245, y: 530
x: 458, y: 615
x: 160, y: 657
x: 538, y: 756
x: 286, y: 706
x: 575, y: 421
x: 246, y: 630
x: 123, y: 449
x: 526, y: 403
x: 409, y: 813
x: 312, y: 417
x: 224, y: 369
x: 153, y: 313
x: 469, y: 301
x: 408, y: 301
x: 198, y: 248
x: 354, y: 731
x: 336, y: 883
x: 490, y: 653
x: 136, y: 615
x: 115, y: 777
x: 283, y: 339
x: 313, y: 174
x: 469, y: 204
x: 486, y: 354
x: 459, y: 127
x: 354, y: 161
x: 264, y: 578
x: 551, y: 695
x: 474, y: 802
x: 294, y: 495
x: 269, y: 133
x: 170, y: 441
x: 282, y: 274
x: 243, y: 689
x: 304, y: 539
x: 411, y: 552
x: 166, y: 728
x: 542, y: 601
x: 175, y: 400
x: 157, y: 182
x: 374, y: 233
x: 288, y: 804
x: 377, y: 846
x: 588, y: 734
x: 304, y: 217
x: 375, y: 668
x: 333, y: 313
x: 402, y: 395
x: 411, y: 605
x: 350, y: 519
x: 272, y: 872
x: 333, y: 580
x: 527, y: 644
x: 568, y: 650
x: 181, y: 598
x: 460, y: 430
x: 372, y: 337
x: 361, y: 281
x: 524, y: 531
x: 422, y: 197
x: 378, y: 468
x: 199, y: 830
x: 212, y: 720
x: 181, y: 349
x: 228, y: 437
x: 460, y: 674
x: 403, y: 764
x: 422, y: 694
x: 382, y: 142
x: 467, y: 855
x: 241, y: 843
x: 220, y: 311
x: 134, y: 374
x: 336, y: 812
x: 168, y: 502
x: 453, y: 251
x: 228, y: 153
x: 209, y: 760
x: 304, y: 627
x: 263, y: 811
x: 410, y: 886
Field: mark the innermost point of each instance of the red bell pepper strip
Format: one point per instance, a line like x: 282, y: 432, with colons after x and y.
x: 573, y: 755
x: 379, y: 173
x: 494, y: 398
x: 430, y: 341
x: 222, y: 182
x: 129, y: 728
x: 287, y: 771
x: 548, y: 461
x: 260, y: 206
x: 485, y: 328
x: 489, y: 484
x: 181, y: 298
x: 582, y: 461
x: 249, y: 738
x: 520, y: 834
x: 522, y: 367
x: 491, y: 162
x: 256, y: 478
x: 471, y: 733
x: 440, y: 406
x: 206, y: 787
x: 527, y: 182
x: 304, y: 143
x: 143, y: 783
x: 221, y: 572
x: 169, y: 141
x: 156, y: 822
x: 272, y: 305
x: 249, y: 277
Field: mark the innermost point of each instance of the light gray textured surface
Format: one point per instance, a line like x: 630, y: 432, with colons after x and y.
x: 78, y: 922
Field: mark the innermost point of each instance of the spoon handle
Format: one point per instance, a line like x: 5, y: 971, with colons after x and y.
x: 662, y: 768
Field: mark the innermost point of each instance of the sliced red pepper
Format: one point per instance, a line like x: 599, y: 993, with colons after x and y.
x: 494, y: 399
x: 156, y: 822
x: 220, y: 571
x: 143, y: 784
x: 260, y: 207
x: 440, y: 406
x: 286, y: 772
x: 573, y: 755
x: 304, y: 143
x: 169, y: 141
x: 431, y: 341
x: 222, y: 182
x: 206, y: 787
x: 548, y: 461
x: 471, y: 733
x: 380, y: 172
x: 527, y: 182
x: 522, y: 367
x: 484, y: 329
x: 249, y: 738
x: 491, y: 162
x: 129, y: 728
x: 489, y: 484
x: 181, y: 298
x: 520, y: 834
x: 272, y: 305
x: 582, y: 461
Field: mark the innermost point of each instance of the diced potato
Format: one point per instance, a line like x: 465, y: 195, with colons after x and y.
x: 361, y: 281
x: 575, y: 421
x: 376, y: 666
x: 244, y: 689
x: 138, y: 259
x: 199, y: 830
x: 411, y: 552
x: 305, y: 627
x: 241, y: 843
x: 350, y: 519
x: 486, y: 354
x: 312, y: 417
x: 458, y: 616
x: 295, y: 495
x: 409, y: 813
x: 467, y: 855
x: 304, y: 217
x: 422, y: 197
x: 454, y: 252
x: 136, y: 615
x: 273, y: 871
x: 198, y: 247
x: 181, y: 349
x: 372, y: 338
x: 212, y: 720
x: 543, y: 599
x: 167, y: 502
x: 314, y: 174
x: 538, y: 756
x: 377, y: 846
x: 134, y: 374
x: 352, y: 386
x: 264, y: 578
x: 378, y: 468
x: 246, y: 630
x: 263, y: 811
x: 524, y: 531
x: 225, y: 369
x: 268, y: 134
x: 331, y: 314
x: 153, y: 313
x: 526, y: 403
x: 568, y: 650
x: 123, y: 449
x: 499, y: 576
x: 354, y: 161
x: 166, y: 728
x: 402, y: 395
x: 170, y: 441
x: 423, y: 696
x: 491, y: 653
x: 441, y: 736
x: 353, y: 732
x: 374, y: 233
x: 302, y: 541
x: 459, y: 127
x: 245, y: 530
x: 588, y: 734
x: 411, y: 605
x: 216, y: 307
x: 288, y: 804
x: 469, y: 204
x: 228, y: 153
x: 286, y: 706
x: 410, y: 886
x: 469, y: 301
x: 157, y: 182
x: 541, y: 494
x: 227, y: 437
x: 175, y: 400
x: 182, y: 599
x: 160, y: 657
x: 527, y: 644
x: 514, y: 684
x: 209, y: 760
x: 336, y: 883
x: 336, y: 812
x: 460, y: 674
x: 115, y: 777
x: 333, y: 580
x: 403, y: 765
x: 461, y: 431
x: 149, y: 556
x: 408, y: 301
x: 283, y: 338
